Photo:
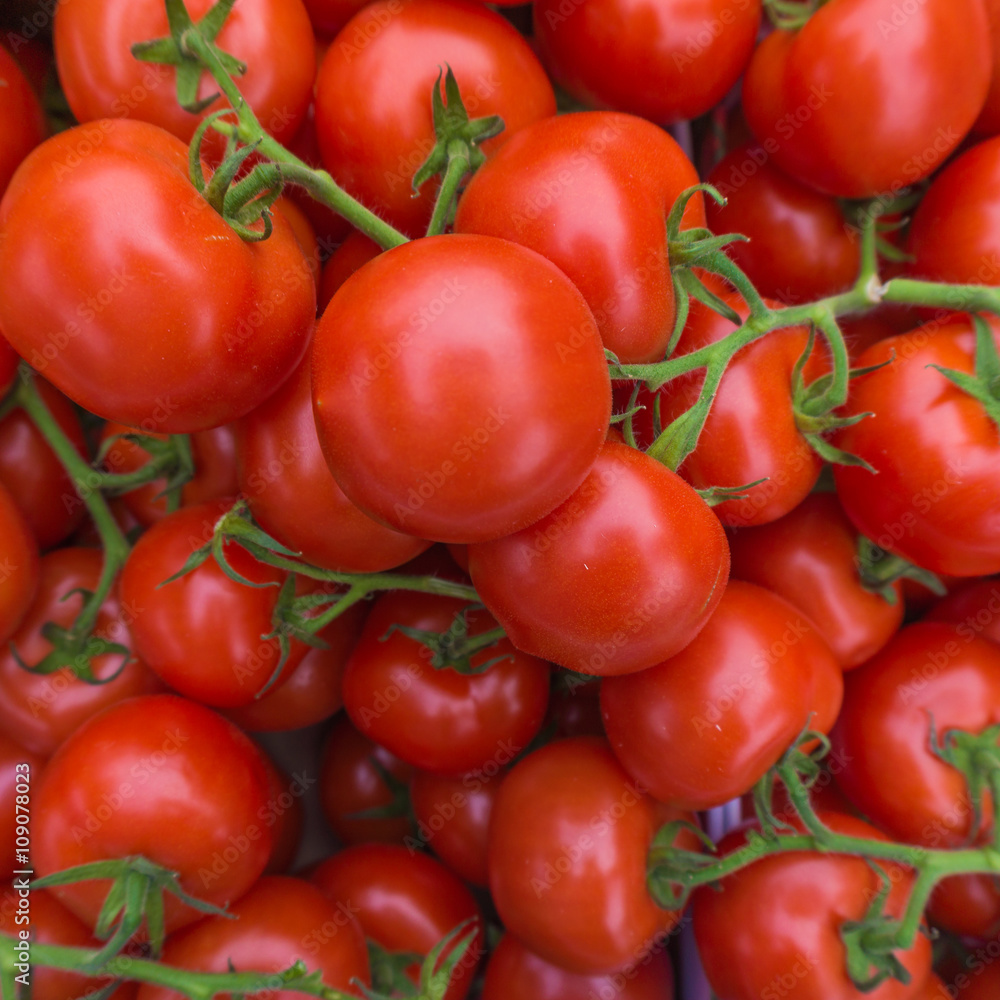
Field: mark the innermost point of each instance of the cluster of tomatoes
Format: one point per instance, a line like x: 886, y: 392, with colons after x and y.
x: 350, y: 385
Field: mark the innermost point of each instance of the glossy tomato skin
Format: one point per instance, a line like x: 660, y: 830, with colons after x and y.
x: 280, y: 921
x: 936, y: 451
x: 704, y: 726
x: 808, y: 557
x: 203, y: 634
x: 420, y: 417
x: 666, y: 63
x: 568, y: 844
x: 845, y: 104
x: 224, y: 321
x: 41, y: 710
x: 800, y: 248
x: 373, y: 95
x: 404, y: 901
x: 294, y: 497
x: 356, y: 250
x: 621, y: 576
x: 968, y: 905
x: 22, y: 122
x: 162, y: 777
x: 974, y: 608
x: 441, y: 720
x: 33, y: 474
x: 352, y: 781
x: 773, y: 928
x: 988, y: 122
x: 214, y: 454
x: 19, y: 556
x: 514, y: 971
x: 591, y: 191
x: 102, y: 79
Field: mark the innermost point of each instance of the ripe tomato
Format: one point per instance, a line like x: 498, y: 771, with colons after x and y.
x: 162, y: 777
x: 772, y: 930
x: 513, y: 971
x: 214, y: 454
x: 204, y: 634
x: 568, y: 844
x: 441, y: 720
x: 285, y: 814
x: 974, y: 608
x: 868, y: 98
x: 356, y: 250
x: 18, y: 766
x: 667, y: 63
x: 22, y: 122
x: 404, y: 901
x: 800, y: 247
x: 967, y: 905
x: 373, y: 95
x: 19, y: 571
x: 704, y: 726
x: 936, y: 451
x: 224, y: 322
x: 280, y: 921
x: 591, y: 192
x: 102, y: 79
x: 41, y: 710
x: 809, y: 558
x: 979, y: 980
x: 621, y: 576
x: 329, y: 16
x: 352, y: 782
x: 292, y: 493
x: 419, y: 414
x: 988, y: 122
x: 33, y: 474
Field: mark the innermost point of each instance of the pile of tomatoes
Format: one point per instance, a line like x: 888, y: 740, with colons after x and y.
x: 389, y: 377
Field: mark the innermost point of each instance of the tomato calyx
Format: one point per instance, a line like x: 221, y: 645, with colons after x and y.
x: 790, y: 15
x: 456, y: 151
x: 870, y: 944
x: 389, y: 970
x: 170, y: 458
x: 977, y: 757
x: 879, y: 570
x: 984, y: 384
x: 399, y: 805
x: 455, y: 648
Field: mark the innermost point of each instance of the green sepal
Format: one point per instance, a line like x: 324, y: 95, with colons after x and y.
x: 878, y: 570
x: 388, y: 970
x: 714, y: 495
x: 984, y: 384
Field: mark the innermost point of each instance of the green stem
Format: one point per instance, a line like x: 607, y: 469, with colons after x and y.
x: 458, y: 167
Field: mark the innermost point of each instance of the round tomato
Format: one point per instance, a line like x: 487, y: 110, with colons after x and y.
x: 41, y: 710
x: 279, y: 922
x: 356, y: 250
x: 592, y: 192
x: 868, y: 99
x: 809, y: 557
x: 935, y: 449
x: 441, y: 720
x: 373, y: 95
x: 224, y: 322
x: 22, y: 122
x: 621, y: 576
x: 667, y: 62
x: 974, y: 608
x: 704, y: 726
x: 162, y: 777
x: 568, y: 844
x: 404, y: 901
x: 424, y: 422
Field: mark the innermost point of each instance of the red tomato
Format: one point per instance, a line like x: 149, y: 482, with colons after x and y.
x: 441, y: 720
x: 988, y: 122
x: 867, y: 98
x: 800, y: 246
x: 704, y: 726
x: 162, y: 777
x: 35, y: 477
x: 284, y: 813
x: 418, y: 414
x: 297, y: 218
x: 22, y: 122
x: 621, y: 576
x: 19, y: 570
x: 204, y: 634
x: 809, y: 558
x: 513, y: 971
x: 214, y: 454
x: 773, y: 929
x: 280, y: 921
x: 292, y: 493
x: 936, y: 451
x: 453, y: 817
x: 373, y: 95
x: 41, y: 710
x: 974, y: 608
x: 356, y: 250
x: 592, y: 193
x: 568, y: 844
x: 329, y: 16
x: 351, y: 782
x: 102, y: 79
x: 979, y: 981
x: 223, y: 322
x: 404, y: 901
x: 968, y: 905
x: 575, y: 707
x: 667, y: 62
x: 19, y: 767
